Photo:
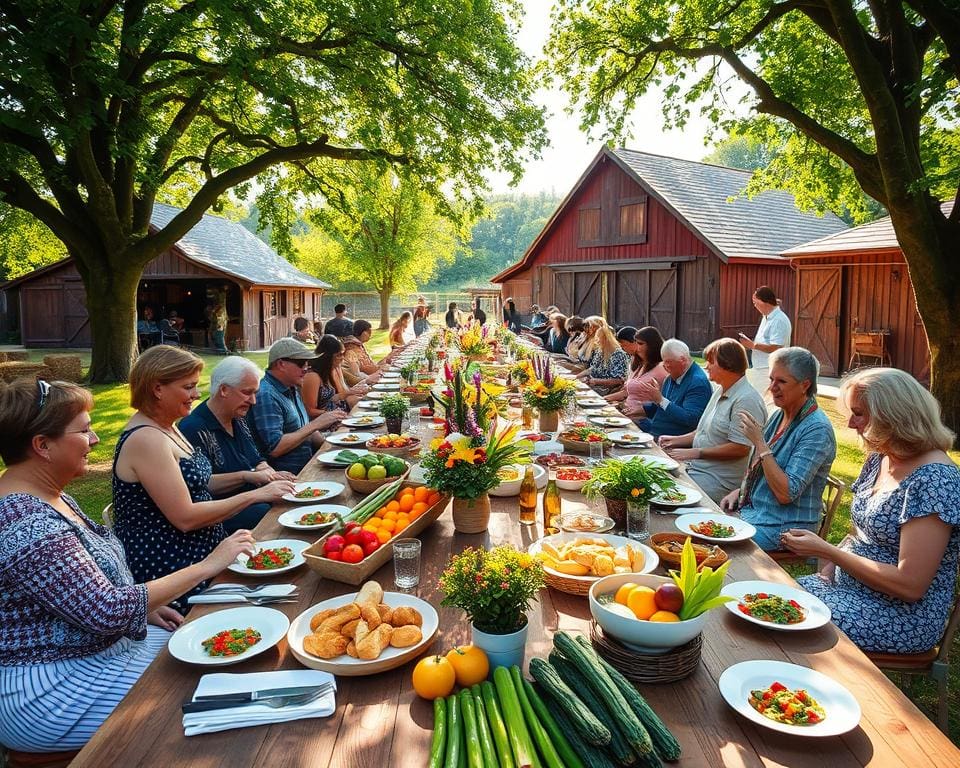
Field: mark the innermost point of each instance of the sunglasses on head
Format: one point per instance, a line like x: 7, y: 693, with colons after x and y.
x: 43, y: 389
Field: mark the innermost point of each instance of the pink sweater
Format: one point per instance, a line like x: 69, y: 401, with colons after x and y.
x: 634, y: 401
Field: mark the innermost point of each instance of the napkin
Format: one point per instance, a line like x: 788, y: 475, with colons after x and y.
x: 258, y: 714
x: 272, y: 590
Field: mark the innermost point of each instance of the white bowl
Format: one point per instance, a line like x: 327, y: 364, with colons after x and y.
x: 572, y: 485
x: 645, y: 636
x: 512, y: 487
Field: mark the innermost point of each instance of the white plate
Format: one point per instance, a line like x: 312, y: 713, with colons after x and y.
x: 817, y: 613
x: 690, y: 496
x: 332, y: 491
x: 841, y: 709
x: 605, y: 523
x: 368, y: 404
x: 349, y: 666
x: 329, y: 458
x: 582, y: 385
x: 295, y: 544
x: 631, y: 437
x: 665, y: 462
x: 186, y: 643
x: 390, y: 375
x: 650, y: 558
x: 374, y: 395
x: 338, y: 438
x: 742, y: 530
x: 386, y: 387
x: 611, y: 421
x: 290, y: 518
x: 592, y: 402
x: 364, y: 421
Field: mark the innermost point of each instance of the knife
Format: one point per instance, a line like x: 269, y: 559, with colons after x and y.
x: 255, y: 696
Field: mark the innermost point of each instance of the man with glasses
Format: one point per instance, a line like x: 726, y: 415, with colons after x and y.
x: 278, y: 420
x: 676, y: 407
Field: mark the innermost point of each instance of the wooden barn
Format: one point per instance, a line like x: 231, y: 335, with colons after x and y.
x: 218, y: 261
x: 855, y: 302
x: 643, y: 239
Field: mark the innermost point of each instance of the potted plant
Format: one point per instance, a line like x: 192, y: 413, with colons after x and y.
x: 548, y: 393
x: 393, y: 408
x: 619, y: 482
x: 409, y: 371
x: 494, y: 587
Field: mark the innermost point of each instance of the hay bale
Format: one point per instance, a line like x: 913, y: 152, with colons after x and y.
x: 19, y: 356
x: 64, y: 367
x: 3, y: 357
x: 13, y: 370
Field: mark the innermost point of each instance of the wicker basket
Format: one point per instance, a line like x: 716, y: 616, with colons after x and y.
x: 367, y: 487
x: 658, y: 540
x: 401, y: 452
x: 579, y: 446
x: 416, y: 398
x: 64, y: 367
x: 566, y: 584
x: 639, y: 667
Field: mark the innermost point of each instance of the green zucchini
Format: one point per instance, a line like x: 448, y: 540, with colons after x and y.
x: 664, y: 742
x: 557, y: 736
x: 592, y: 756
x: 605, y: 689
x: 497, y: 729
x: 520, y: 743
x: 584, y: 721
x: 454, y: 736
x: 439, y: 733
x: 540, y: 737
x: 483, y: 730
x: 619, y: 747
x: 469, y: 715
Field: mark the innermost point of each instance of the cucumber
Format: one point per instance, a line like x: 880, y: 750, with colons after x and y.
x: 520, y: 742
x: 584, y: 721
x: 497, y: 728
x: 592, y: 757
x: 540, y: 737
x: 483, y: 730
x: 469, y: 715
x: 454, y: 736
x: 439, y: 733
x: 557, y: 736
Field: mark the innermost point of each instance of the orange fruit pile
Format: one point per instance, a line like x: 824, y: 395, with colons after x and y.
x: 640, y: 600
x: 394, y: 516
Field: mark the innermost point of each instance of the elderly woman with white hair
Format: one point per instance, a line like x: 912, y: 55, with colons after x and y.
x: 792, y: 454
x: 218, y: 428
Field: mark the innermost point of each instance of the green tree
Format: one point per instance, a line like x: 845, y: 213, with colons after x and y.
x: 106, y: 108
x: 25, y: 244
x: 744, y: 152
x: 853, y: 96
x: 387, y: 232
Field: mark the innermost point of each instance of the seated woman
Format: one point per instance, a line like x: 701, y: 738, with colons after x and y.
x: 401, y: 331
x: 421, y: 322
x: 646, y: 364
x: 891, y: 587
x: 576, y: 336
x: 356, y: 359
x: 557, y: 337
x: 218, y: 428
x: 791, y: 456
x: 608, y: 364
x: 452, y: 318
x: 163, y: 506
x: 78, y: 629
x: 323, y: 387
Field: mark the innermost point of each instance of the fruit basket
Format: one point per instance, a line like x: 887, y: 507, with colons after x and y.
x: 395, y: 445
x: 365, y: 485
x: 669, y: 545
x: 417, y: 395
x: 637, y: 667
x: 357, y: 573
x: 579, y: 439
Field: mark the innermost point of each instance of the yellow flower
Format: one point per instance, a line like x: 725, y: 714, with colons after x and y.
x: 635, y: 492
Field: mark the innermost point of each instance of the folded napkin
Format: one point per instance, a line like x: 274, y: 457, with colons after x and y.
x: 271, y: 590
x: 258, y: 714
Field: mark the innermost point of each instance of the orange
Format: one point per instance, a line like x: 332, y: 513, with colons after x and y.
x: 420, y: 493
x: 470, y: 664
x: 418, y: 509
x: 624, y: 592
x: 388, y: 525
x: 434, y: 498
x: 406, y: 503
x: 383, y: 535
x: 434, y: 677
x: 664, y: 616
x: 380, y: 512
x: 391, y: 515
x: 641, y: 602
x: 370, y: 525
x: 401, y: 524
x: 407, y: 492
x: 393, y: 506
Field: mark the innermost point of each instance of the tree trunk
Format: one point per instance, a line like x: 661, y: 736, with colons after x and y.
x: 945, y: 374
x: 112, y: 307
x: 384, y: 308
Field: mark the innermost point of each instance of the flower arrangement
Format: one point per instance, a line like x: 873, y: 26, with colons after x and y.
x: 633, y: 480
x: 548, y: 392
x: 409, y: 371
x: 521, y: 373
x: 494, y: 587
x: 473, y: 340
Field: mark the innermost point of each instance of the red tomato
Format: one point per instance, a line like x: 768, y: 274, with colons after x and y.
x: 369, y: 537
x: 354, y: 536
x: 334, y: 554
x: 334, y: 543
x: 353, y: 524
x: 370, y: 547
x: 352, y: 553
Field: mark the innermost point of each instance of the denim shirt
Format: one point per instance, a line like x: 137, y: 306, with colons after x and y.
x: 279, y: 410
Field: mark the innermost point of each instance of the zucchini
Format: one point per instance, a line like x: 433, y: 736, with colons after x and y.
x: 439, y: 733
x: 584, y: 721
x: 483, y: 730
x: 497, y: 729
x: 591, y: 756
x: 540, y: 737
x: 469, y: 715
x: 619, y: 747
x: 452, y: 753
x: 605, y: 689
x: 664, y: 742
x: 520, y: 742
x: 556, y: 733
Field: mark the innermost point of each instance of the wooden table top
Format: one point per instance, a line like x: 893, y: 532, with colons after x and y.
x: 380, y: 721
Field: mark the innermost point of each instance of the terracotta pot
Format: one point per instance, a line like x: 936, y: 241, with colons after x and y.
x: 549, y: 421
x: 617, y: 510
x: 471, y: 515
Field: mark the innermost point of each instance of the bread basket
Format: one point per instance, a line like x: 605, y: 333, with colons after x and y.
x: 669, y: 546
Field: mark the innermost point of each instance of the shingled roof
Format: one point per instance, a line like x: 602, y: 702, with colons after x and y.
x: 230, y: 247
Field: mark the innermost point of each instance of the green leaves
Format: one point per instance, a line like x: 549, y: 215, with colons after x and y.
x: 701, y: 589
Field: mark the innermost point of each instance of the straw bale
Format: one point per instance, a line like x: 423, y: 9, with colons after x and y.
x: 64, y: 367
x: 13, y: 370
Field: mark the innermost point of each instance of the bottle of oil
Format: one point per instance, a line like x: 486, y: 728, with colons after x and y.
x: 528, y: 498
x: 551, y: 506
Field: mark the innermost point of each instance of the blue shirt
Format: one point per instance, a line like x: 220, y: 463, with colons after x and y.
x: 688, y: 400
x: 279, y: 410
x: 227, y: 453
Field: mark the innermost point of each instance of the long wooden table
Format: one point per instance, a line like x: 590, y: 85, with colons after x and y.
x: 379, y: 721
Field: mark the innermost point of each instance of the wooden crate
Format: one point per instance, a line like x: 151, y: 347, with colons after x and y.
x: 357, y: 573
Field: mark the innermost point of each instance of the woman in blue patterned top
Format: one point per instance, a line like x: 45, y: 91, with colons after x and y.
x: 608, y: 365
x: 890, y: 586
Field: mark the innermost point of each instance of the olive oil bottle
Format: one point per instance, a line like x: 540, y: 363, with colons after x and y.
x: 528, y: 498
x: 551, y: 505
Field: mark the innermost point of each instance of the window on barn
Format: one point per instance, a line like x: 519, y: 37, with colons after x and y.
x: 282, y: 303
x: 271, y: 304
x: 633, y: 220
x: 589, y: 231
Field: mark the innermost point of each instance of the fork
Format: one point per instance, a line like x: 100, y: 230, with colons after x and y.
x: 277, y: 702
x: 271, y: 599
x: 238, y: 588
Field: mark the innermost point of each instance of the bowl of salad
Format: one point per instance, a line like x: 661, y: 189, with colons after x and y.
x: 572, y: 478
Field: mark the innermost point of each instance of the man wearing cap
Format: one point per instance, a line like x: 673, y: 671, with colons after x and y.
x: 339, y: 325
x: 279, y: 422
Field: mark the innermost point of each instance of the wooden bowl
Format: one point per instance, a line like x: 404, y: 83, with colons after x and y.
x: 414, y: 446
x: 367, y: 487
x: 706, y: 554
x: 580, y: 446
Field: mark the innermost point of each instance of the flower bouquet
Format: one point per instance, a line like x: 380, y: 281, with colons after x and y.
x: 473, y: 341
x: 548, y: 393
x: 521, y: 373
x: 619, y: 481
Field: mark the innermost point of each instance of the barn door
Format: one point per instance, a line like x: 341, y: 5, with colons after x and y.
x: 76, y: 321
x: 587, y: 298
x: 563, y: 292
x: 630, y: 300
x: 818, y: 316
x: 663, y: 301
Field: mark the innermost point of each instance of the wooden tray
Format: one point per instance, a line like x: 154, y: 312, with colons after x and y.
x: 357, y: 573
x: 667, y: 558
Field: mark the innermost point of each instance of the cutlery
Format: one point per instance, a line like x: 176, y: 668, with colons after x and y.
x: 275, y: 701
x: 235, y: 588
x: 272, y: 599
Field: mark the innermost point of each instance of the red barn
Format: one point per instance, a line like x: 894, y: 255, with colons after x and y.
x: 648, y: 240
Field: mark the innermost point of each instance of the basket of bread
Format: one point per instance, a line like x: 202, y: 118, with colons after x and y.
x: 572, y: 561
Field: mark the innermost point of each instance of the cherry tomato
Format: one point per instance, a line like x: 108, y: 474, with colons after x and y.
x: 352, y: 553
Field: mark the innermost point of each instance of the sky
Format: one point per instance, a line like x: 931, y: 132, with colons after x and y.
x: 570, y: 150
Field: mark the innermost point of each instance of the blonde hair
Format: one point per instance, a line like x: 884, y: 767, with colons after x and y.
x: 903, y: 417
x: 22, y: 418
x: 161, y: 364
x: 596, y: 323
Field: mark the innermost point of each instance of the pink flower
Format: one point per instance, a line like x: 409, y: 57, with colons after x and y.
x: 504, y: 585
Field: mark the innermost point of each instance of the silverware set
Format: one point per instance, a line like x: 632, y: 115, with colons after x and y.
x: 251, y: 595
x: 229, y: 701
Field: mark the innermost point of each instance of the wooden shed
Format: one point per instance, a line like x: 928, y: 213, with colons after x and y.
x: 217, y: 261
x: 643, y: 239
x: 853, y: 291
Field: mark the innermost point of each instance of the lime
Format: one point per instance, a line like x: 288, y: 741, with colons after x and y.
x: 357, y: 471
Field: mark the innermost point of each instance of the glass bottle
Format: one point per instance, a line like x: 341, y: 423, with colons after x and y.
x: 528, y: 498
x: 551, y: 505
x: 527, y: 416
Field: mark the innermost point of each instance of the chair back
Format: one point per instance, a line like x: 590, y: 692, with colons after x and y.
x: 107, y: 515
x: 831, y: 502
x: 943, y: 654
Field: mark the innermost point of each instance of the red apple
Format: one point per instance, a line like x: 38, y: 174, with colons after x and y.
x: 669, y: 597
x: 334, y: 543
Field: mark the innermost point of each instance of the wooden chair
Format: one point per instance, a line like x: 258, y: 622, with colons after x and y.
x: 868, y: 344
x: 833, y: 493
x: 934, y: 663
x: 107, y: 515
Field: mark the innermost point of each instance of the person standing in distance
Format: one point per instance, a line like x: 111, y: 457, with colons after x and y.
x: 773, y: 334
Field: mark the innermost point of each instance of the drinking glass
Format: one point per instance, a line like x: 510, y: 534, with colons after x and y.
x: 638, y: 520
x: 406, y: 563
x: 413, y: 421
x: 596, y: 453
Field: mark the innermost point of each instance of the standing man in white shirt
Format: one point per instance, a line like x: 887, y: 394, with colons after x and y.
x: 774, y: 332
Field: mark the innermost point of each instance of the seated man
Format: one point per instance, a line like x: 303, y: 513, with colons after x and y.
x: 217, y: 428
x: 278, y: 420
x: 148, y: 330
x: 717, y: 452
x: 675, y: 408
x: 302, y: 332
x: 339, y: 325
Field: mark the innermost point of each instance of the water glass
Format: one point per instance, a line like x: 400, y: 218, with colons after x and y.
x: 413, y: 420
x: 638, y: 520
x: 596, y: 453
x: 406, y: 563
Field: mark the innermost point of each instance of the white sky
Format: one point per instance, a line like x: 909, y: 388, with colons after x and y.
x: 570, y: 150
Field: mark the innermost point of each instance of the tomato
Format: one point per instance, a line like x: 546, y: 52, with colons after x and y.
x: 354, y: 536
x: 352, y: 553
x: 370, y: 547
x: 351, y: 526
x: 334, y: 554
x: 334, y: 543
x: 434, y: 677
x: 470, y: 664
x: 369, y: 537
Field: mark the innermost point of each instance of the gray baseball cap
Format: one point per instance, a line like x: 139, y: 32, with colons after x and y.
x: 289, y: 349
